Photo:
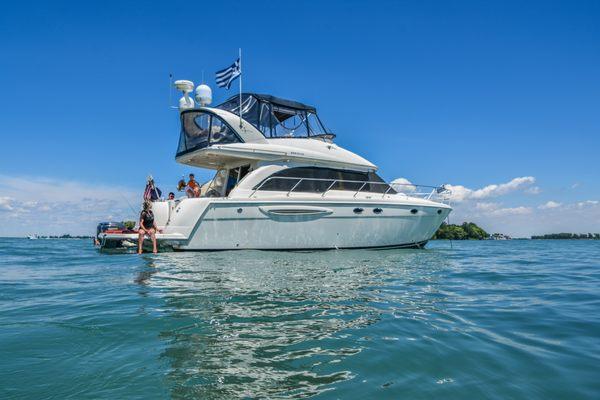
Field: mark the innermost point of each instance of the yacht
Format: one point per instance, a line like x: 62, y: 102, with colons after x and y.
x: 282, y: 183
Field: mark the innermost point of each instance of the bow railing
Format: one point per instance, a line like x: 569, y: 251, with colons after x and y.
x: 435, y: 193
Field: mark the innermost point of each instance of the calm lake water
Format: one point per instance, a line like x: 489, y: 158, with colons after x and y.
x: 514, y: 319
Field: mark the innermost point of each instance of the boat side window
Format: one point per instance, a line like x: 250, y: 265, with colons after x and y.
x: 221, y: 133
x: 315, y: 125
x: 199, y: 129
x: 289, y: 123
x: 235, y: 176
x: 319, y: 180
x: 378, y: 185
x: 195, y: 131
x: 264, y: 119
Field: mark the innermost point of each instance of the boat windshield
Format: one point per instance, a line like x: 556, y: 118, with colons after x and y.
x: 200, y: 129
x: 277, y: 118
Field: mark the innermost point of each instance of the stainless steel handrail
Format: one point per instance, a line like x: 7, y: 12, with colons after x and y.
x: 295, y: 186
x: 359, y: 189
x: 440, y: 190
x: 330, y: 186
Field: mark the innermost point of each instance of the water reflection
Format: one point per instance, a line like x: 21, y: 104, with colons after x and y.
x: 273, y: 324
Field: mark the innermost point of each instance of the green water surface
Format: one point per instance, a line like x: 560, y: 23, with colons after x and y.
x: 481, y: 320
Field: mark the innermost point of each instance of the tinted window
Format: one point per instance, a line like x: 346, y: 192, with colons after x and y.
x: 235, y: 176
x: 198, y: 128
x: 221, y: 133
x: 319, y: 180
x: 194, y: 131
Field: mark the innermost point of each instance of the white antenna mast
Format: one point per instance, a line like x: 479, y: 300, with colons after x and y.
x: 171, y: 106
x: 240, y: 87
x: 170, y: 90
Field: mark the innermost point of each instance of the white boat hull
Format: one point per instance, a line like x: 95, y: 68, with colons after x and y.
x: 223, y: 224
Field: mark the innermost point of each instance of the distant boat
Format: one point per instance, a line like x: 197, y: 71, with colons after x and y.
x: 33, y: 237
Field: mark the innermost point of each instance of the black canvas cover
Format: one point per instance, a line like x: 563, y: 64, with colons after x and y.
x: 267, y: 98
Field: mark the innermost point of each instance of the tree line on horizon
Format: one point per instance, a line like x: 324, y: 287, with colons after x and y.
x: 465, y: 231
x: 65, y: 236
x: 470, y: 231
x: 586, y: 236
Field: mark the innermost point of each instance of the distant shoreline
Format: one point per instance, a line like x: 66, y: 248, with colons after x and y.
x: 511, y: 239
x: 54, y: 237
x: 567, y: 236
x: 470, y: 231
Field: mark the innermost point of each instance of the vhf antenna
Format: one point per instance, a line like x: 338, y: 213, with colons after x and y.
x: 171, y: 106
x: 170, y: 89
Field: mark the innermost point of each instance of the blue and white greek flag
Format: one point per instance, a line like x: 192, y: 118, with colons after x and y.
x: 228, y: 75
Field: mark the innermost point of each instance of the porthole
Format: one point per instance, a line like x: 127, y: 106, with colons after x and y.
x: 377, y: 210
x: 239, y: 210
x: 358, y: 210
x: 439, y: 211
x: 414, y: 211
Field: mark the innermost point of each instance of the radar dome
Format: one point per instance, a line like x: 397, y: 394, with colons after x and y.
x: 203, y: 95
x: 184, y: 85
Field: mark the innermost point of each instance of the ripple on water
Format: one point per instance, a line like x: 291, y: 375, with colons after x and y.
x: 515, y: 319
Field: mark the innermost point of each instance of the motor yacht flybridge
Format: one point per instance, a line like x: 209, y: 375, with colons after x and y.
x: 281, y: 182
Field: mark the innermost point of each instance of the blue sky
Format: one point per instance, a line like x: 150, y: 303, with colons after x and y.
x: 467, y: 93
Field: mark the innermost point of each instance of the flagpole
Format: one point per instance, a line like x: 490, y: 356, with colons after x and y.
x: 240, y: 54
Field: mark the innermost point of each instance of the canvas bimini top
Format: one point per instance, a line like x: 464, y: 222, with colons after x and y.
x: 267, y: 98
x: 275, y: 117
x: 271, y: 129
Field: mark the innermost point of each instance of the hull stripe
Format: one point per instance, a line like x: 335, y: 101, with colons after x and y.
x: 418, y: 245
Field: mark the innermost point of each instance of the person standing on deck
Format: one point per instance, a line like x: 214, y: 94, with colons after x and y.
x: 151, y: 192
x: 147, y: 227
